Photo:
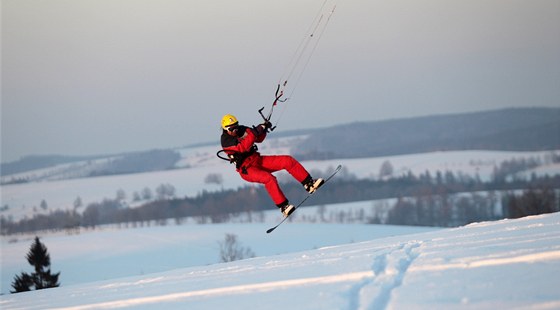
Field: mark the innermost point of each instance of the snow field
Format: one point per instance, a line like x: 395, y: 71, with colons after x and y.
x: 507, y: 264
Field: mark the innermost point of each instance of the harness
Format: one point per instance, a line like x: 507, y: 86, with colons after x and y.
x: 238, y: 158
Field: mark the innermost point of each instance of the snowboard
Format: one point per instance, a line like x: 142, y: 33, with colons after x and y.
x: 305, y: 199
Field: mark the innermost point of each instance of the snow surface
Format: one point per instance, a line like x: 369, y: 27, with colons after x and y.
x: 84, y: 257
x: 507, y: 264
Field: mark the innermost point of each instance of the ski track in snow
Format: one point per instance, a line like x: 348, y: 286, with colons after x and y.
x: 389, y: 270
x: 226, y: 290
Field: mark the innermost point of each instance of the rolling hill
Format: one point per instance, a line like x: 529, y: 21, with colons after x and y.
x: 522, y: 129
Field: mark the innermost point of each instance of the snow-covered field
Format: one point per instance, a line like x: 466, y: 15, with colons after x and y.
x: 112, y: 253
x: 508, y: 264
x: 301, y: 265
x: 199, y: 162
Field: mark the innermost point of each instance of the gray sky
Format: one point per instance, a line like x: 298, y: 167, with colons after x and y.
x: 106, y: 76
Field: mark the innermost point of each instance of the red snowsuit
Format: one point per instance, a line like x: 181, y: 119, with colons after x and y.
x: 253, y: 167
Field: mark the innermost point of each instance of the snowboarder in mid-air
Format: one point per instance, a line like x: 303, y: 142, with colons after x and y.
x: 238, y: 142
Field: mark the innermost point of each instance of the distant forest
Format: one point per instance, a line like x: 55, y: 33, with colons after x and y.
x: 444, y: 200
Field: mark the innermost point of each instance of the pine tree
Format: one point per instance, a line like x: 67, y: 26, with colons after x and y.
x: 22, y: 283
x: 42, y: 278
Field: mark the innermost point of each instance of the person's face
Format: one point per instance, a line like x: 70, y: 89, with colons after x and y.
x: 232, y: 130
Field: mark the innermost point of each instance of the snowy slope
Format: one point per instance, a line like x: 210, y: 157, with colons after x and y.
x: 108, y: 253
x: 508, y: 264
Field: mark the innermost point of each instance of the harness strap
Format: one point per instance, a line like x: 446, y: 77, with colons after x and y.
x: 239, y: 158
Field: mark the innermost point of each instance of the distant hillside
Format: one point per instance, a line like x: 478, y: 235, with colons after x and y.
x: 522, y: 129
x: 152, y: 160
x: 34, y: 162
x: 529, y: 129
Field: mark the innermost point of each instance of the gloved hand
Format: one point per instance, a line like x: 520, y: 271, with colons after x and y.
x: 267, y: 125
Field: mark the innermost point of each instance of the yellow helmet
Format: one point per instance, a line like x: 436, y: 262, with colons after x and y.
x: 228, y: 120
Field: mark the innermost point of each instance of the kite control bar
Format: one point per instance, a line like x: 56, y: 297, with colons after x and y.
x: 266, y: 119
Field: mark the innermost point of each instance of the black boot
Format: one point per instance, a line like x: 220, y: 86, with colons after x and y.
x: 286, y: 208
x: 311, y: 185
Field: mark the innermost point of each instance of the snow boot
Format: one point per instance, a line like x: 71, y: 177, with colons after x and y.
x: 287, y: 209
x: 311, y: 185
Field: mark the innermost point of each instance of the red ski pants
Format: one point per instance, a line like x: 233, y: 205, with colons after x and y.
x: 261, y: 172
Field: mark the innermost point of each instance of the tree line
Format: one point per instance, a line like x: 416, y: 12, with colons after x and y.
x: 444, y: 210
x: 430, y: 194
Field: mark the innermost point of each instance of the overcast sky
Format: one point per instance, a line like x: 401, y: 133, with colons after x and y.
x: 107, y: 76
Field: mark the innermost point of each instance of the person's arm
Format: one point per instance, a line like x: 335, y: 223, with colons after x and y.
x: 242, y: 144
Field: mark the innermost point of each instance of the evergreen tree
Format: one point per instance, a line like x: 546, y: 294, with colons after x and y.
x: 42, y: 278
x: 22, y: 283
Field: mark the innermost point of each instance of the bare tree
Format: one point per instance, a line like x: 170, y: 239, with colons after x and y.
x: 147, y: 194
x: 386, y: 169
x: 44, y: 204
x: 78, y: 202
x: 214, y: 178
x: 231, y: 250
x: 165, y: 191
x: 121, y: 195
x: 321, y: 212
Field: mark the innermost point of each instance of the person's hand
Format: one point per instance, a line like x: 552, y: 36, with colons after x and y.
x: 267, y: 125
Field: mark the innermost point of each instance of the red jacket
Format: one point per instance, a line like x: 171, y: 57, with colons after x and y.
x: 241, y: 148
